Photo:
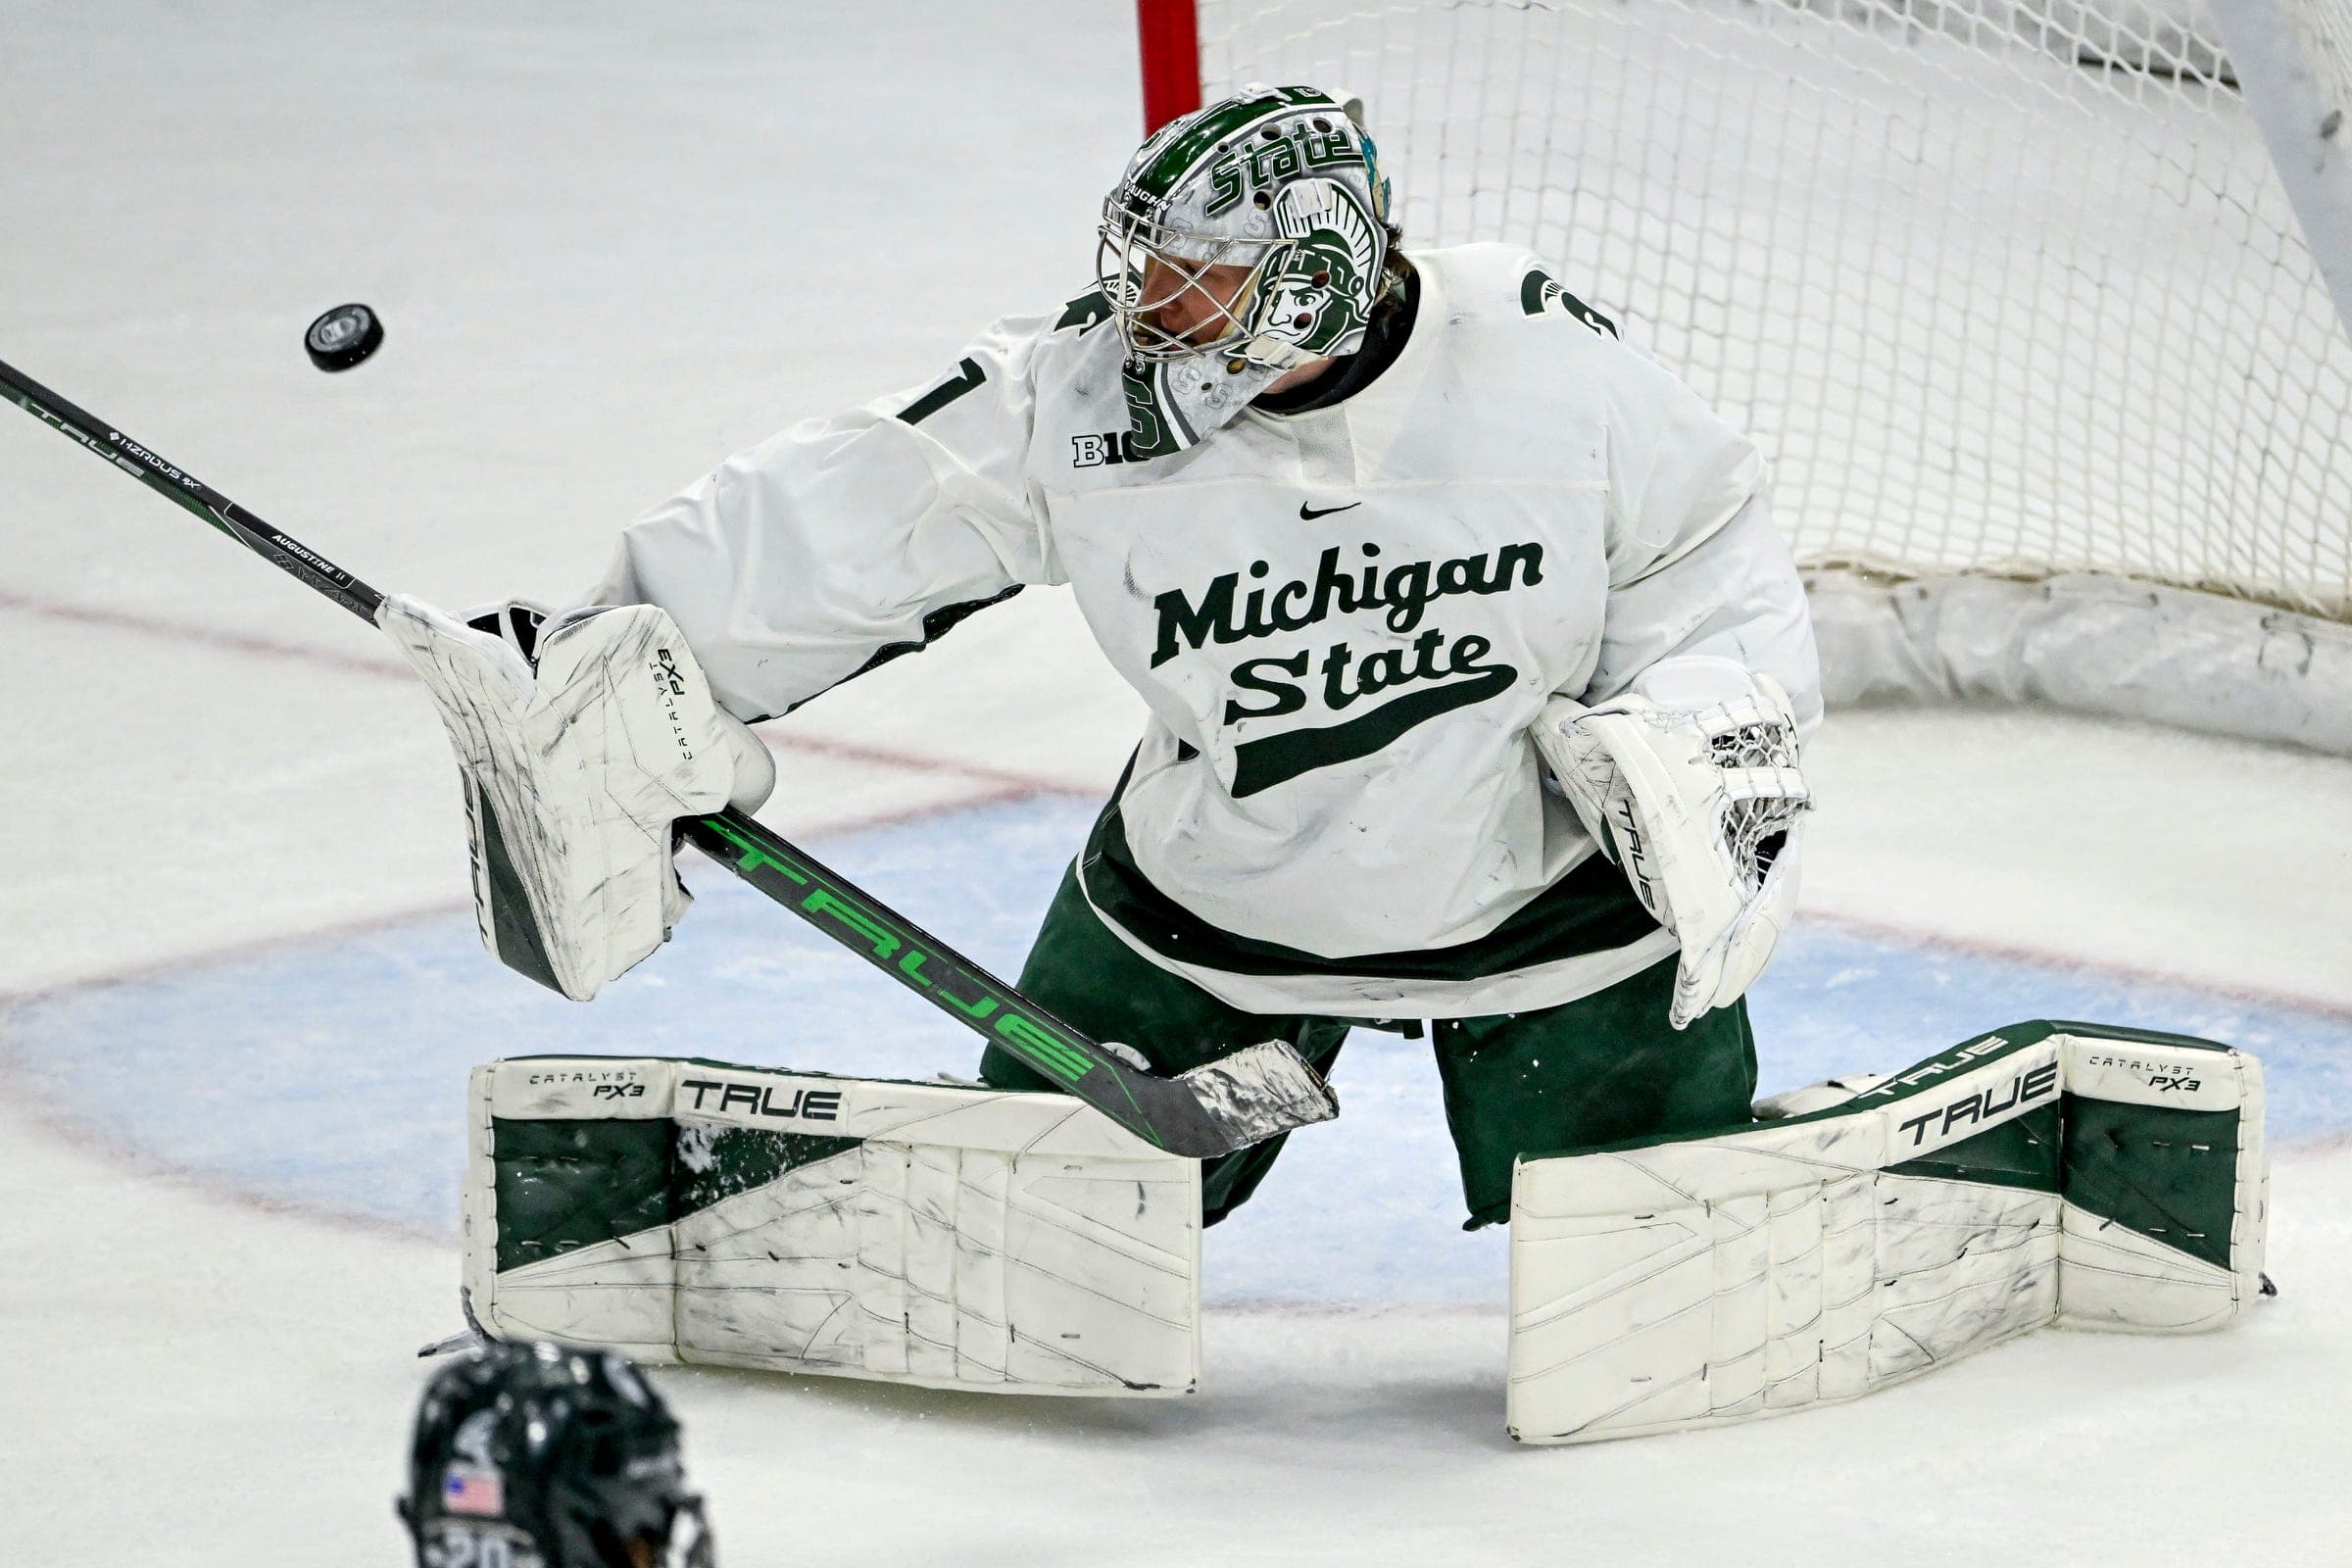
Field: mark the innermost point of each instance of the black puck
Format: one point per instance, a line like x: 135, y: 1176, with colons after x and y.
x: 343, y: 338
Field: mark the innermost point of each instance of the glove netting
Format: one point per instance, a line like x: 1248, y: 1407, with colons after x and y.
x: 1755, y: 828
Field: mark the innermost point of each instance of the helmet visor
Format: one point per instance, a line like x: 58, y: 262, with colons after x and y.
x: 1175, y: 293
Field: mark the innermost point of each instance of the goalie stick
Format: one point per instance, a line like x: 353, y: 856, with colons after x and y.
x: 1255, y: 1094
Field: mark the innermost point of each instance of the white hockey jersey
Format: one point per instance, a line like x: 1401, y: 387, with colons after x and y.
x: 1342, y: 620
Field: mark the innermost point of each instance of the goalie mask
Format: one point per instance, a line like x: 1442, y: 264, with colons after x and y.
x: 1245, y: 239
x: 541, y: 1456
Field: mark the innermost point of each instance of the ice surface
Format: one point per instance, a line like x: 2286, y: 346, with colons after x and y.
x: 609, y: 245
x: 248, y: 1074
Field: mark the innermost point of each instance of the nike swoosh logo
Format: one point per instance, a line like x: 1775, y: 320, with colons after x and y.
x: 1310, y: 513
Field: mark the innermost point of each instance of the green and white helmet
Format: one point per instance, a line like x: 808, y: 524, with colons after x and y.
x: 1282, y: 181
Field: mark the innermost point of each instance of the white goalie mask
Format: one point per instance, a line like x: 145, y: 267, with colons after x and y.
x: 1280, y: 183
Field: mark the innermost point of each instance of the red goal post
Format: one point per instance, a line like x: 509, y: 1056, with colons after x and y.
x: 2010, y: 291
x: 1169, y: 34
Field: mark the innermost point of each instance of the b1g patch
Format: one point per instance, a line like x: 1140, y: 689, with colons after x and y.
x: 1538, y: 292
x: 1111, y: 446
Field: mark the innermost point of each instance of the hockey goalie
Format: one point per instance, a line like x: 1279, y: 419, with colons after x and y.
x: 1479, y: 682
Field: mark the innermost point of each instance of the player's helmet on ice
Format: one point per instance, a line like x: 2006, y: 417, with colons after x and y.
x: 542, y: 1456
x: 1277, y: 186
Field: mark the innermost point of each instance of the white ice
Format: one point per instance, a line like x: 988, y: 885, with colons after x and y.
x: 611, y: 244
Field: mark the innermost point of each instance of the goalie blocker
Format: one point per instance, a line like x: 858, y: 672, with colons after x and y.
x: 2066, y: 1173
x: 580, y: 743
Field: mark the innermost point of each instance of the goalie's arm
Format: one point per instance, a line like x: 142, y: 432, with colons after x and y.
x: 1734, y: 595
x: 1697, y: 566
x: 840, y: 543
x: 1677, y: 744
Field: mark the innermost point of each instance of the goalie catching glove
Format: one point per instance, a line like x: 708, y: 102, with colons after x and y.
x: 580, y: 741
x: 1689, y: 781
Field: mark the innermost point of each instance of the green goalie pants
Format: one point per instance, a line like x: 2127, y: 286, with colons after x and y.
x: 1604, y: 1067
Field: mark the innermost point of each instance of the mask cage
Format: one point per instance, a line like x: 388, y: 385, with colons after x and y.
x: 1131, y: 242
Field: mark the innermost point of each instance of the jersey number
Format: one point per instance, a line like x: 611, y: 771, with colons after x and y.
x: 968, y: 375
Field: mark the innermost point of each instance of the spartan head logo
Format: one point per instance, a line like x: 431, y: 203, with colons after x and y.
x: 1318, y: 295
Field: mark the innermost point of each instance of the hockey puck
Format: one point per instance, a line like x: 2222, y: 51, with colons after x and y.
x: 343, y: 338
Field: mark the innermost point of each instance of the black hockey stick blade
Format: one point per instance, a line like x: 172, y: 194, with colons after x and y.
x: 1253, y: 1095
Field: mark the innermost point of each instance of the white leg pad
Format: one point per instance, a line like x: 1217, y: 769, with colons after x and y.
x: 2045, y: 1174
x: 916, y: 1232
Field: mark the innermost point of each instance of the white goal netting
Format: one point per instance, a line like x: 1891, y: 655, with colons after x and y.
x: 2003, y: 287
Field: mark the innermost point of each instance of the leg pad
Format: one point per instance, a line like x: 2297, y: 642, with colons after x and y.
x: 2066, y: 1173
x: 917, y: 1233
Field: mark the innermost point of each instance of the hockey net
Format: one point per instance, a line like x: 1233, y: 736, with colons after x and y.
x: 2009, y: 291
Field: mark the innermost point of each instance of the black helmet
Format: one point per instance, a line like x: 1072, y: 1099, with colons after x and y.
x: 543, y: 1456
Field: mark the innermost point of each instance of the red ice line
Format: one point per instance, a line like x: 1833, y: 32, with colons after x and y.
x: 188, y: 632
x: 1001, y: 779
x: 1003, y: 784
x: 996, y: 784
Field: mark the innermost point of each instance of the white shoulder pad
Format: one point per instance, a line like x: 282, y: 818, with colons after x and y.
x: 2049, y: 1173
x: 916, y: 1232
